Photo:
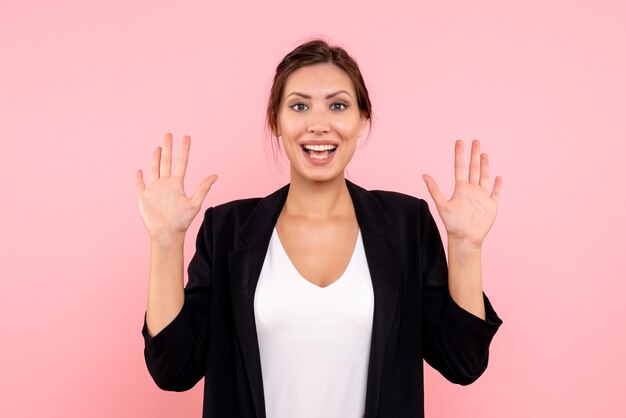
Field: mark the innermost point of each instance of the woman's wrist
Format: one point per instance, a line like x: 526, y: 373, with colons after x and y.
x: 464, y: 245
x: 167, y: 239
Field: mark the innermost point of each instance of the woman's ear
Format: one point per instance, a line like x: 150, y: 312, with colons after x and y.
x: 276, y: 129
x: 363, y: 124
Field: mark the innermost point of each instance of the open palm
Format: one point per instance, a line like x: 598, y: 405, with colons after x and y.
x: 164, y: 207
x: 470, y: 212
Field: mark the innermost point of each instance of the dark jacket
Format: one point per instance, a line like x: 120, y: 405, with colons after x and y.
x: 415, y: 318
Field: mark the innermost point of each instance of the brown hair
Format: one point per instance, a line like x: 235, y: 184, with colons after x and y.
x: 316, y: 51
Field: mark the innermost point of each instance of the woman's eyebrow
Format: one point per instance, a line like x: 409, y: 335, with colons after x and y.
x: 306, y: 96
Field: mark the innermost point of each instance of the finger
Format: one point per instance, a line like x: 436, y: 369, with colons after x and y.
x: 202, y: 190
x: 484, y: 170
x: 474, y: 168
x: 434, y: 190
x: 497, y: 187
x: 156, y: 162
x: 139, y: 181
x: 459, y: 161
x: 166, y: 156
x: 181, y: 163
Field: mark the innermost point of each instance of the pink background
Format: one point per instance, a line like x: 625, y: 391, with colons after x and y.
x: 88, y: 90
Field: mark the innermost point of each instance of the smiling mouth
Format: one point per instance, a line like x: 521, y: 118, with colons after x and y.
x: 320, y: 152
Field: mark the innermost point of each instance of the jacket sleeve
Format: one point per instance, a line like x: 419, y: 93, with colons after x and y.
x: 456, y: 342
x: 176, y: 356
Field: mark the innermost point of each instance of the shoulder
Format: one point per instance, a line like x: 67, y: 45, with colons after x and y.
x: 393, y: 197
x: 238, y: 205
x: 233, y: 212
x: 236, y: 212
x: 397, y: 202
x: 412, y: 223
x: 406, y: 212
x: 390, y: 212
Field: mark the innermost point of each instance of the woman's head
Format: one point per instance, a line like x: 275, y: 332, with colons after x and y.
x: 313, y: 52
x: 321, y: 70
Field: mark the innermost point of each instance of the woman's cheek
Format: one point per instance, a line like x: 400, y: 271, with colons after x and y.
x: 346, y: 130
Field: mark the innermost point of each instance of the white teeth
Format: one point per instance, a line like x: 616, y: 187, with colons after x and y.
x: 320, y: 147
x: 319, y: 157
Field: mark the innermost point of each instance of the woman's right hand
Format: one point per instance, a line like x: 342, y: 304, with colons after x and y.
x: 165, y: 209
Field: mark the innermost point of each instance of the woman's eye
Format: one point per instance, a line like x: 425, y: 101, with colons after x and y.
x: 338, y: 104
x: 299, y: 107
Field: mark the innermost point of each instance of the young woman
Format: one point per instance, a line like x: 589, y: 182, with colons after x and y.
x: 323, y: 298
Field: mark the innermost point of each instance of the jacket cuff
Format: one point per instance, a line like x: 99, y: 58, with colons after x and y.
x: 174, y: 333
x: 467, y: 325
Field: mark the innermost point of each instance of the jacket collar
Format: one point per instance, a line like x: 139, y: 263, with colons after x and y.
x: 246, y: 262
x: 260, y: 224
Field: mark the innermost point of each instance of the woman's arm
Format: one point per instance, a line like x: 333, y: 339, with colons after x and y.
x: 465, y: 277
x: 166, y: 283
x: 456, y: 341
x: 467, y: 216
x: 175, y: 321
x: 459, y: 322
x: 167, y: 213
x: 176, y: 355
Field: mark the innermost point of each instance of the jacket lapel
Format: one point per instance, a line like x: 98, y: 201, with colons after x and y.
x: 385, y: 266
x: 246, y: 261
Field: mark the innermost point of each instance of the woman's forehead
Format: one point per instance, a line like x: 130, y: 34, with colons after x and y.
x: 318, y: 80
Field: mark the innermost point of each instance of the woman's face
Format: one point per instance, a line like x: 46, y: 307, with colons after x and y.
x: 319, y: 109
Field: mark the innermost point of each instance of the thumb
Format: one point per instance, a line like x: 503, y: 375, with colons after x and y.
x: 202, y: 190
x: 434, y: 191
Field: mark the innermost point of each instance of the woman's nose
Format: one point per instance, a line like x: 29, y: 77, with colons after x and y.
x: 318, y: 122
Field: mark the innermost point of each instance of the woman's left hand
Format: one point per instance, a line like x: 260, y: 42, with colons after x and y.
x: 471, y: 210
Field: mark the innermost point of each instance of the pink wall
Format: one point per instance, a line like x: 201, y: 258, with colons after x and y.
x: 87, y: 91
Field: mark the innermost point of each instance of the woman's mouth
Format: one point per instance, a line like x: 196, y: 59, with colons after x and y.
x: 319, y: 152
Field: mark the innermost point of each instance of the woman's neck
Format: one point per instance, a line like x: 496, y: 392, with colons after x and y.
x: 318, y: 199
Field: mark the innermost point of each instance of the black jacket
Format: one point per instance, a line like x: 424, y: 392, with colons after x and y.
x: 214, y: 335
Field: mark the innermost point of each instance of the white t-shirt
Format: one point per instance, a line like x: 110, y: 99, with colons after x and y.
x: 314, y: 342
